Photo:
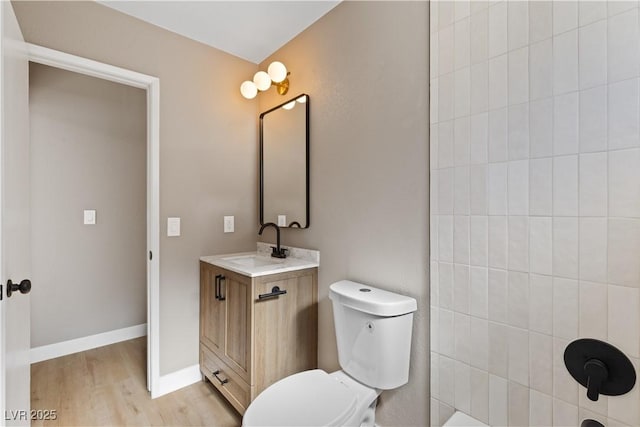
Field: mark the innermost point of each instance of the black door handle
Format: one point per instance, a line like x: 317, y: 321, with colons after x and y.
x: 217, y: 286
x: 24, y: 287
x: 221, y: 296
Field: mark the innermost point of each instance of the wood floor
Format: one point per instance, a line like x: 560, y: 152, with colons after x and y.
x: 107, y: 386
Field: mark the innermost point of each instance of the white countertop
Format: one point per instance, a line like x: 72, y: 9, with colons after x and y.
x: 263, y: 264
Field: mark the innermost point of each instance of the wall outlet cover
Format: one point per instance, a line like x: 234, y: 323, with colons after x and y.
x: 89, y: 217
x: 282, y: 220
x: 229, y: 224
x: 173, y: 227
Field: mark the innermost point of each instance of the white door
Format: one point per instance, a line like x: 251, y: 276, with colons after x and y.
x: 14, y: 221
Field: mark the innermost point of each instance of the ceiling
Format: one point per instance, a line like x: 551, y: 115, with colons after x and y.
x: 252, y: 30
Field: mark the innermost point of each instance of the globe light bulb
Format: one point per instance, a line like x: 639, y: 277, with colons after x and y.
x: 302, y: 99
x: 262, y: 80
x: 277, y: 71
x: 248, y: 89
x: 289, y: 105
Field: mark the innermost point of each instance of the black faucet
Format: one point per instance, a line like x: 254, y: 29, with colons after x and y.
x: 276, y: 251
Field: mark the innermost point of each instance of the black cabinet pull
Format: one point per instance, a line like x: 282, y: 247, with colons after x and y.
x: 222, y: 381
x: 221, y: 296
x: 217, y: 285
x: 275, y: 291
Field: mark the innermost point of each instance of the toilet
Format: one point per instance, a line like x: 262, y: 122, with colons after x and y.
x: 373, y: 332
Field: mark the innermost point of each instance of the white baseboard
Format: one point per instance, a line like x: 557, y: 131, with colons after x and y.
x: 51, y: 351
x: 176, y: 380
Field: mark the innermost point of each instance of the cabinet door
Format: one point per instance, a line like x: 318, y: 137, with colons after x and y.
x: 236, y: 290
x: 212, y: 310
x: 286, y: 326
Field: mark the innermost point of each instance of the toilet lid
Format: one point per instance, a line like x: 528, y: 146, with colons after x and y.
x: 310, y: 398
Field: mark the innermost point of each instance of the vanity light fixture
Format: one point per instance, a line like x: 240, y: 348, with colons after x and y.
x: 276, y: 75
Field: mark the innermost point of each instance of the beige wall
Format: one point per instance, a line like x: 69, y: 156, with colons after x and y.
x: 365, y: 67
x: 208, y: 145
x: 88, y: 151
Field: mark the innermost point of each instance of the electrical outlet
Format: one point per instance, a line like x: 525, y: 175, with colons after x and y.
x: 282, y: 220
x: 229, y: 225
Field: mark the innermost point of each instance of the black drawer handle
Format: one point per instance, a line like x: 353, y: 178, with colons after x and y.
x: 275, y: 291
x: 218, y: 287
x: 222, y: 381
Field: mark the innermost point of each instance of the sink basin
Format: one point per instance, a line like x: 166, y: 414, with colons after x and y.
x: 253, y: 261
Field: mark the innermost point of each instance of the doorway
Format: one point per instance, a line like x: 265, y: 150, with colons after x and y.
x: 63, y: 61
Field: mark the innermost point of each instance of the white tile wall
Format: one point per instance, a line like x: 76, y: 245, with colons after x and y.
x: 535, y: 211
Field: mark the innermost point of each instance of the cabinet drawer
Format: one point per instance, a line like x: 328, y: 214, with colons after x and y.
x: 234, y: 388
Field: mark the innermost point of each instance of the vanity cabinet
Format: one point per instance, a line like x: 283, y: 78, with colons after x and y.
x: 249, y: 340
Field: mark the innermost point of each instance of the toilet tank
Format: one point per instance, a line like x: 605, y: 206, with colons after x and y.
x: 373, y: 333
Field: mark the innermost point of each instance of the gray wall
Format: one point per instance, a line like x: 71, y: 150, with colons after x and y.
x: 365, y: 67
x: 88, y: 151
x: 208, y: 145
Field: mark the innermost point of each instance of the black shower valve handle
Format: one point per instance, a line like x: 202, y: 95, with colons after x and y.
x: 597, y: 374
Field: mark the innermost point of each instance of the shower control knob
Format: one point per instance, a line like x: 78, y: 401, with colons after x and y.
x: 597, y: 373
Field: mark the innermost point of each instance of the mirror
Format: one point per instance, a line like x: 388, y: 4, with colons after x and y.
x: 284, y: 164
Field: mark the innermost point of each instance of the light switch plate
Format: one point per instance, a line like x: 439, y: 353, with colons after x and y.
x: 173, y: 227
x: 229, y: 224
x: 282, y: 220
x: 89, y: 217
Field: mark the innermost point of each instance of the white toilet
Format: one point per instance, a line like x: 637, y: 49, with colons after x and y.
x: 373, y: 331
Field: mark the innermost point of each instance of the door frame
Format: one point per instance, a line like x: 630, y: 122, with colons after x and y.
x: 151, y: 85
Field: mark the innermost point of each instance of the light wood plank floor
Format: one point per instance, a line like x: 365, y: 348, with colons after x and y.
x: 107, y: 386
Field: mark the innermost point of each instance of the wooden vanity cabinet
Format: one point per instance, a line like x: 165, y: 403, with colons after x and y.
x: 246, y: 342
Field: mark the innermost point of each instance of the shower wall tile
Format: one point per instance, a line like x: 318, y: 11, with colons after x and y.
x: 461, y: 141
x: 565, y: 62
x: 479, y: 284
x: 498, y: 29
x: 565, y: 16
x: 541, y: 69
x: 593, y: 184
x: 479, y: 245
x: 540, y: 20
x: 593, y: 249
x: 461, y: 40
x: 540, y: 409
x: 480, y: 395
x: 623, y: 61
x: 624, y: 183
x: 593, y: 54
x: 517, y: 24
x: 541, y: 362
x: 535, y: 205
x: 591, y: 11
x: 593, y: 310
x: 479, y: 139
x: 541, y: 304
x: 593, y: 119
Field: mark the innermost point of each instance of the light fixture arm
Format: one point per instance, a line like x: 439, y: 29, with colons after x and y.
x: 283, y: 87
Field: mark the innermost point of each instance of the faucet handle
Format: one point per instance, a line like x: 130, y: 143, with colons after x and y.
x: 279, y: 253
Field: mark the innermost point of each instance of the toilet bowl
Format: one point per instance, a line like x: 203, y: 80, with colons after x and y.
x: 313, y: 398
x: 373, y: 332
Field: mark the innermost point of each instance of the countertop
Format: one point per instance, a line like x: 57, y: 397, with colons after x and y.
x: 263, y: 265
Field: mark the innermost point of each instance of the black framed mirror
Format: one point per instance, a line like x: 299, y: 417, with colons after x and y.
x: 284, y: 164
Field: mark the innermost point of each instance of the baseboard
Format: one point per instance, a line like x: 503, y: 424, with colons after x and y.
x: 51, y: 351
x: 177, y: 380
